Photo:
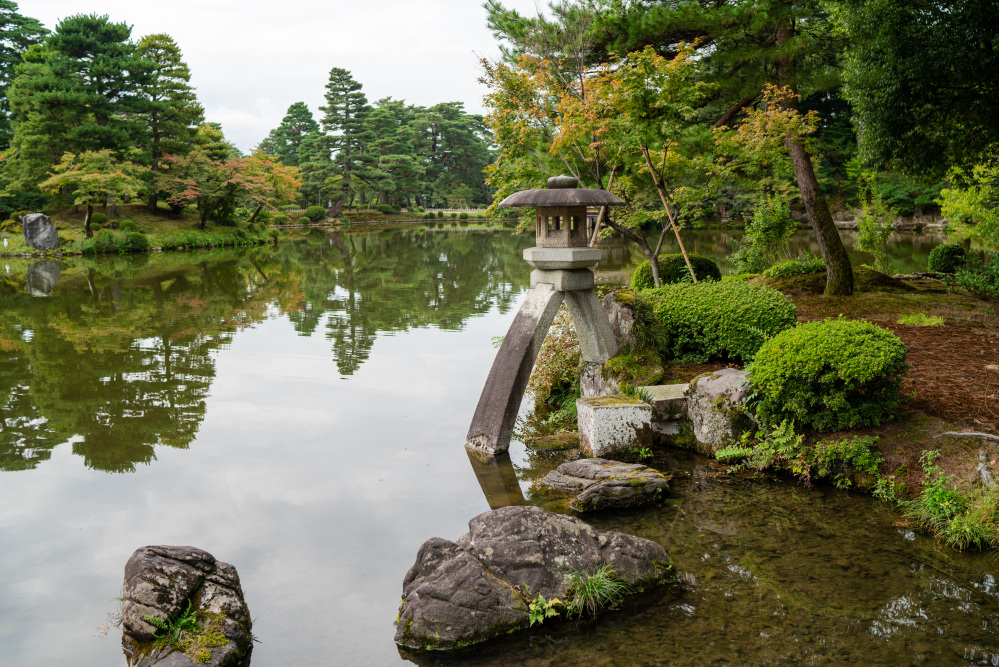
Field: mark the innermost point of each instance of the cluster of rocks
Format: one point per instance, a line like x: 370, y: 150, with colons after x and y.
x: 164, y: 583
x: 479, y: 587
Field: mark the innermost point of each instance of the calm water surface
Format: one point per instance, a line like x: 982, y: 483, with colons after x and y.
x: 299, y: 412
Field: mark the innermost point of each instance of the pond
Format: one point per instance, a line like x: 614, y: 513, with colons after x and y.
x: 299, y: 412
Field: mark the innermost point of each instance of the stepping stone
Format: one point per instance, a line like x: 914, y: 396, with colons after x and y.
x: 669, y: 406
x: 605, y: 484
x: 610, y: 424
x: 669, y: 401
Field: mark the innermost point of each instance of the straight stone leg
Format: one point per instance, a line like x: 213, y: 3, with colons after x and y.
x: 496, y: 413
x: 597, y: 343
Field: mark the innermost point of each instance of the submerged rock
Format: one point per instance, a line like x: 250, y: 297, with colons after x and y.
x: 465, y: 592
x: 39, y: 231
x: 603, y: 484
x: 164, y: 584
x: 716, y: 407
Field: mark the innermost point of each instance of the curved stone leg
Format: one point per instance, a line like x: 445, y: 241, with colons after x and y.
x: 499, y: 403
x: 597, y: 343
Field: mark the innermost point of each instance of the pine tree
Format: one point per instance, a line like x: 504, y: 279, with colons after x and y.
x: 80, y: 91
x: 173, y: 112
x: 17, y: 34
x: 285, y: 140
x: 345, y: 116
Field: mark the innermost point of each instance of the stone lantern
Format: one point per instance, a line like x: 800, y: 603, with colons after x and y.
x: 561, y: 261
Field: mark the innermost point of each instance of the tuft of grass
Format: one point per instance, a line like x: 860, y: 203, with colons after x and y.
x: 590, y: 593
x: 921, y: 320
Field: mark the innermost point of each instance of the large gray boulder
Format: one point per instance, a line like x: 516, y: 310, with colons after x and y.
x: 716, y: 407
x: 166, y: 582
x: 39, y: 231
x: 604, y: 484
x: 464, y: 592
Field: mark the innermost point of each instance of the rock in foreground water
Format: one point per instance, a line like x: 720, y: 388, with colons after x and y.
x: 464, y: 592
x: 185, y: 594
x: 604, y: 484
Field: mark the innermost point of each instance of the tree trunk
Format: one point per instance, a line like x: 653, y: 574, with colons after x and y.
x: 256, y: 212
x: 338, y: 206
x: 639, y: 238
x: 86, y: 221
x: 839, y: 272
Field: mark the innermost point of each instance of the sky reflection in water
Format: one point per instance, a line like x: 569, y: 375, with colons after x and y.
x: 299, y: 412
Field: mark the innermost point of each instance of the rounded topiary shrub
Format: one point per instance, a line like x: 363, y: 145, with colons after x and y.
x: 713, y: 319
x: 947, y: 258
x: 830, y: 375
x: 673, y: 269
x: 98, y: 218
x: 315, y: 213
x: 280, y: 219
x: 463, y: 216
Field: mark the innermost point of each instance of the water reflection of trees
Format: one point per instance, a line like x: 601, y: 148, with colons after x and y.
x: 363, y: 285
x: 119, y: 358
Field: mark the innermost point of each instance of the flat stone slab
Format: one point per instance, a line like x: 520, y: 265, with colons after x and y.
x: 605, y: 484
x: 609, y: 424
x: 550, y: 259
x: 668, y: 401
x: 564, y: 280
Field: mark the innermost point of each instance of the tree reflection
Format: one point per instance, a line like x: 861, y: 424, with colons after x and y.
x: 119, y: 359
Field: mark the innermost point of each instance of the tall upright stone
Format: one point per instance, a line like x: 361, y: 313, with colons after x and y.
x: 39, y: 232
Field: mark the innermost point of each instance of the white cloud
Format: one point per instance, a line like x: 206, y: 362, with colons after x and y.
x: 251, y: 59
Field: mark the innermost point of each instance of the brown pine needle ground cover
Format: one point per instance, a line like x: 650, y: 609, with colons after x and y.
x: 954, y: 368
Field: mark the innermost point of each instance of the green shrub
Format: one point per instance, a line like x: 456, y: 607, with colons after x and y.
x: 440, y: 214
x: 947, y: 258
x: 715, y: 319
x: 280, y: 219
x: 796, y: 267
x: 830, y: 375
x: 463, y: 216
x: 767, y: 235
x: 128, y: 226
x: 264, y: 217
x: 673, y: 269
x: 9, y: 225
x: 387, y: 209
x: 98, y: 218
x: 133, y: 242
x: 315, y: 213
x: 963, y: 521
x: 96, y: 227
x: 980, y: 278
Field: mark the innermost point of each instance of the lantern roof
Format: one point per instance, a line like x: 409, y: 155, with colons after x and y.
x: 562, y: 191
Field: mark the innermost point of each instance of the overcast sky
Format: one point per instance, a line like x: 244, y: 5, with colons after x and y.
x: 251, y: 59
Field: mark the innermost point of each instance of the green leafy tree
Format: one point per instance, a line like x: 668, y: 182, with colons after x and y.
x: 93, y: 177
x: 285, y: 140
x: 743, y: 46
x: 921, y: 76
x: 17, y: 33
x: 173, y: 112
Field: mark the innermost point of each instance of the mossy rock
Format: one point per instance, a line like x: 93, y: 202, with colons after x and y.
x: 635, y: 368
x: 864, y: 280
